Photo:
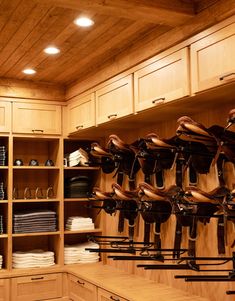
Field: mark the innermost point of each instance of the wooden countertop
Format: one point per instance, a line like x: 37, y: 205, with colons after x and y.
x: 130, y: 287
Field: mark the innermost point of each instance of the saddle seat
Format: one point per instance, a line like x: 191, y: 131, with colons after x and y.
x: 216, y: 196
x: 124, y: 195
x: 158, y: 194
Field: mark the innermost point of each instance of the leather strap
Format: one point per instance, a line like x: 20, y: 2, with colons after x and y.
x: 220, y: 235
x: 178, y: 237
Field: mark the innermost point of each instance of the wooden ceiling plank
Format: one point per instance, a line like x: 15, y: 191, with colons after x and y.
x: 137, y: 52
x: 22, y: 52
x: 8, y: 8
x: 23, y: 31
x: 15, y: 21
x: 100, y: 34
x: 122, y: 39
x: 172, y: 12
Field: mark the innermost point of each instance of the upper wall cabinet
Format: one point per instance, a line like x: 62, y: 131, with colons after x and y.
x: 114, y: 100
x: 81, y: 113
x: 5, y: 116
x: 164, y: 80
x: 213, y: 59
x: 36, y: 118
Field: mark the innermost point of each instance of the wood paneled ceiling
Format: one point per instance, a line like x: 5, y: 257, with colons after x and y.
x: 29, y: 26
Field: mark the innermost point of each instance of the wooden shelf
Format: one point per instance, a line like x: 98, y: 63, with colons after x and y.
x: 3, y: 201
x: 82, y: 168
x: 35, y: 234
x: 35, y: 200
x: 3, y: 167
x: 83, y: 231
x: 37, y: 167
x: 78, y: 199
x: 3, y: 236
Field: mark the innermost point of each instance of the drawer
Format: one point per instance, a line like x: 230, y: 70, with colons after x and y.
x: 80, y: 290
x: 104, y: 295
x: 37, y: 287
x: 4, y: 289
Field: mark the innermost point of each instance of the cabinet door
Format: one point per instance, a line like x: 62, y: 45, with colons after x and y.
x: 5, y: 116
x: 107, y: 296
x: 36, y: 287
x: 164, y: 80
x: 4, y: 289
x: 114, y: 100
x: 213, y: 59
x: 81, y: 114
x: 80, y: 290
x: 36, y: 118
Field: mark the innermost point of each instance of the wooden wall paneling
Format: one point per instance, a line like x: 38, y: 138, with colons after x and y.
x: 20, y: 89
x: 207, y: 235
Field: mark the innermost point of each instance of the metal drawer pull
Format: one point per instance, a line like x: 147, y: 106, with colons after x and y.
x: 158, y: 100
x: 112, y: 116
x: 34, y: 131
x: 115, y: 299
x: 79, y: 127
x: 37, y: 278
x: 79, y: 282
x: 226, y: 75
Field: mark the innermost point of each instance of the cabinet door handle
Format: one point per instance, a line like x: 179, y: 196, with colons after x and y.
x: 79, y: 282
x: 37, y: 278
x: 114, y: 298
x: 35, y: 131
x: 226, y: 75
x: 79, y: 127
x: 158, y: 100
x: 112, y: 116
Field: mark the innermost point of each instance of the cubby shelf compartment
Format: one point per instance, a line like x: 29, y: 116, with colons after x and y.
x: 78, y: 199
x: 82, y: 168
x: 3, y: 167
x: 3, y: 236
x: 36, y: 167
x: 83, y: 231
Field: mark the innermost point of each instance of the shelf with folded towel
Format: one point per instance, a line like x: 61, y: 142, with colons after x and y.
x: 82, y: 168
x: 36, y: 167
x: 97, y: 230
x: 35, y: 234
x: 34, y: 200
x: 78, y: 199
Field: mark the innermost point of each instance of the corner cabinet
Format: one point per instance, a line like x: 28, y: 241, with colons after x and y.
x: 213, y: 59
x: 114, y: 100
x: 5, y: 116
x: 32, y: 118
x: 162, y: 81
x: 81, y: 113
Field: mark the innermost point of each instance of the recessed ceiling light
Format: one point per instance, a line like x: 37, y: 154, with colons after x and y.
x: 51, y: 50
x: 29, y: 71
x: 84, y: 22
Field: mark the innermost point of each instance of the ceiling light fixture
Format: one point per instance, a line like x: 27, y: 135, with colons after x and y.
x: 29, y: 71
x: 84, y: 22
x: 51, y: 50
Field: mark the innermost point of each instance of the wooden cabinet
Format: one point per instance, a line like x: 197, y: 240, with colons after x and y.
x: 114, y: 100
x: 4, y: 289
x: 213, y: 59
x: 104, y: 295
x: 80, y: 290
x: 81, y: 113
x: 38, y: 287
x: 162, y: 81
x: 36, y: 118
x: 5, y: 116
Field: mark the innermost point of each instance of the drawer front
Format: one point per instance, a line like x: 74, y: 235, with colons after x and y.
x: 164, y: 80
x: 5, y: 116
x: 81, y: 114
x: 213, y: 59
x: 104, y: 295
x: 115, y: 100
x: 80, y: 290
x: 36, y: 119
x: 37, y: 287
x: 4, y: 289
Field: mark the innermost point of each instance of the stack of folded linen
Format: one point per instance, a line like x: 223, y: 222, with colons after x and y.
x: 34, y: 221
x: 33, y: 259
x: 79, y: 223
x: 0, y: 261
x: 78, y: 254
x: 78, y: 157
x: 1, y: 224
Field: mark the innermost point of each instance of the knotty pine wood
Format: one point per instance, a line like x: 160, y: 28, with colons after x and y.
x: 207, y: 236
